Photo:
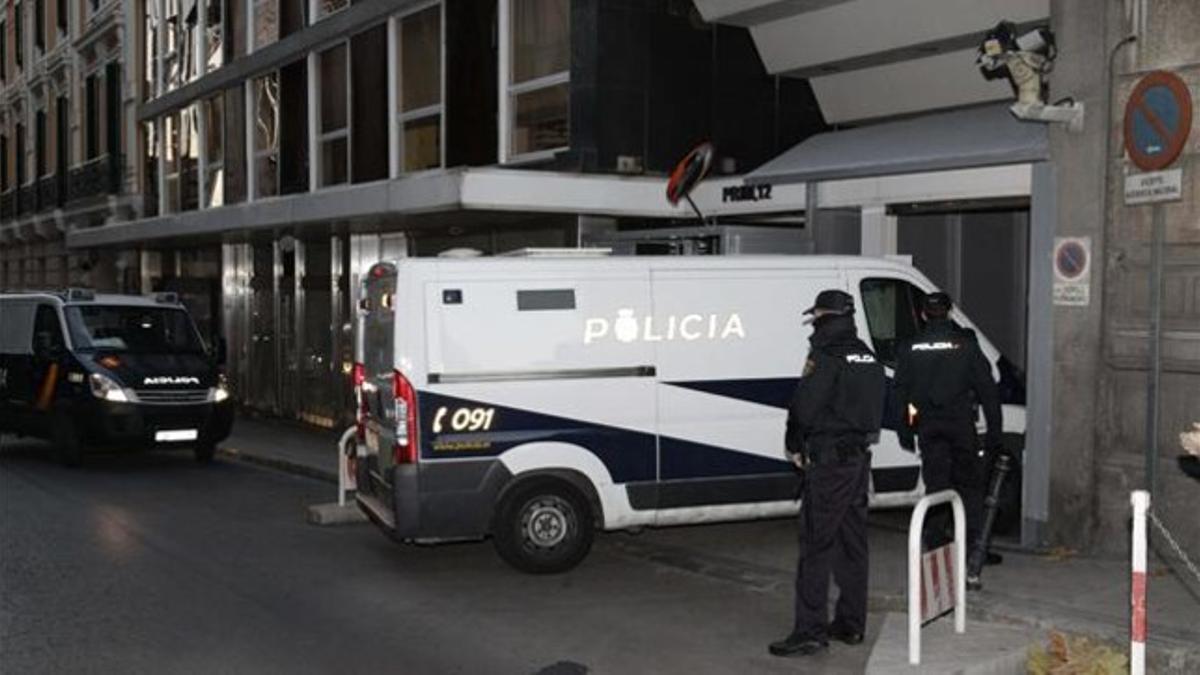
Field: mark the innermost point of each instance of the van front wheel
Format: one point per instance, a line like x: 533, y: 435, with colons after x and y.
x: 544, y: 527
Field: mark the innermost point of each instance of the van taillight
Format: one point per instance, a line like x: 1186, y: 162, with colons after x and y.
x: 406, y: 419
x: 360, y: 401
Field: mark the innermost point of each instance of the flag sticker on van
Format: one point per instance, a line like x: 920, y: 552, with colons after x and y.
x: 627, y: 328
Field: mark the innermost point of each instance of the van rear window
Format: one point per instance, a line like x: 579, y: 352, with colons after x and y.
x: 534, y: 301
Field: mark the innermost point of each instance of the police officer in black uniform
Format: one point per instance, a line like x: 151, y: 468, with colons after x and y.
x: 941, y: 375
x: 835, y: 414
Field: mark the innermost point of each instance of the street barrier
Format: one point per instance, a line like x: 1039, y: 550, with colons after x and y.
x: 347, y: 478
x: 1137, y: 600
x: 915, y: 568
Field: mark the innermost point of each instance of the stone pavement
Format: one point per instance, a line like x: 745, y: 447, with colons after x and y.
x: 1027, y: 596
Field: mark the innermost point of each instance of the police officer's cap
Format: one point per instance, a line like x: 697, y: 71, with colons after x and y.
x: 937, y: 303
x: 833, y: 301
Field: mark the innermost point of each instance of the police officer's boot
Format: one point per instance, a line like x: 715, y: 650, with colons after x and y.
x: 797, y: 645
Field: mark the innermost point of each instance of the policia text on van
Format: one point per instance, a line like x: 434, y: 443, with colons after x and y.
x: 536, y: 399
x: 119, y: 371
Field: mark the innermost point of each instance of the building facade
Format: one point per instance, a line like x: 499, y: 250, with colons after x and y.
x: 66, y: 133
x: 281, y: 146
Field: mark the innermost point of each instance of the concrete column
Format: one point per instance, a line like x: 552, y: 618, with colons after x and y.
x: 1077, y: 160
x: 879, y: 236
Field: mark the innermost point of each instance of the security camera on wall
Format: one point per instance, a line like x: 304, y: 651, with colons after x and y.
x: 1025, y: 60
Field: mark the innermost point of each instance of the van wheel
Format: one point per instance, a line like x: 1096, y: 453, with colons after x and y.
x: 544, y: 527
x: 204, y: 453
x: 68, y: 449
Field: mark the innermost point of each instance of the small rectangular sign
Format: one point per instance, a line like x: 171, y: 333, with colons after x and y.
x: 1156, y: 186
x: 175, y: 435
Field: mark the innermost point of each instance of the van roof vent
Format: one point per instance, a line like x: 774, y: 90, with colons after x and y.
x: 558, y: 253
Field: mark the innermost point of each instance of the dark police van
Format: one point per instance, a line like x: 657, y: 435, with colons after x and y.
x: 88, y: 370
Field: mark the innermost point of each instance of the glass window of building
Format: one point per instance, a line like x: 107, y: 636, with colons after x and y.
x: 214, y: 151
x: 234, y: 23
x: 151, y: 24
x: 266, y: 22
x: 19, y: 34
x: 178, y: 61
x: 326, y: 7
x: 39, y: 25
x: 266, y: 135
x: 334, y: 139
x: 150, y: 154
x: 214, y: 39
x: 189, y: 158
x: 419, y: 89
x: 171, y: 163
x: 39, y: 144
x: 3, y: 52
x: 539, y: 78
x: 62, y: 13
x: 91, y: 117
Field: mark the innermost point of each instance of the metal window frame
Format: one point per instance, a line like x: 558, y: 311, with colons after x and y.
x: 397, y: 117
x: 510, y: 90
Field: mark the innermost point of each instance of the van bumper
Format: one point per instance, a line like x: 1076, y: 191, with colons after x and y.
x: 134, y: 425
x: 434, y: 501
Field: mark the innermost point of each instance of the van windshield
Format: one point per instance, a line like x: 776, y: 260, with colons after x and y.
x: 133, y: 329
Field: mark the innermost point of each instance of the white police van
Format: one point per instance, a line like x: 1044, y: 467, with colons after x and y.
x: 535, y: 399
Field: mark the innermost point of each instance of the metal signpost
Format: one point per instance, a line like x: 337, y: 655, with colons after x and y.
x: 1158, y: 118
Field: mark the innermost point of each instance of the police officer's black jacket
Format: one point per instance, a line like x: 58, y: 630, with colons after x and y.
x: 942, y: 373
x: 840, y: 395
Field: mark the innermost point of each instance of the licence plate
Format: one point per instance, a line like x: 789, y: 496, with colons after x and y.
x: 176, y: 435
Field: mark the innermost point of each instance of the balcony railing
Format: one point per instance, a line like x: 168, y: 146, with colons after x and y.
x: 8, y: 205
x: 96, y: 178
x: 99, y: 176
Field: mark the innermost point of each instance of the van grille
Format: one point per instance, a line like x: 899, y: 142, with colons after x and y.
x: 171, y: 396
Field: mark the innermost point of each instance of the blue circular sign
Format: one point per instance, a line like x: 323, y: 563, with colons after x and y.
x: 1158, y: 118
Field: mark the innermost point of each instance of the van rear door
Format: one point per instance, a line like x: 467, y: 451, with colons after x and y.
x: 377, y: 405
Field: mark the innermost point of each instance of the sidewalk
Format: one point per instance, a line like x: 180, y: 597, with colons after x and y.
x: 1029, y: 593
x: 287, y: 446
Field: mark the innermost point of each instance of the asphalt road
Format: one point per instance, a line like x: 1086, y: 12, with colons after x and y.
x: 149, y: 563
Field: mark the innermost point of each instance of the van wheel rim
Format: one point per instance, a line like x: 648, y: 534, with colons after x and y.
x: 546, y: 522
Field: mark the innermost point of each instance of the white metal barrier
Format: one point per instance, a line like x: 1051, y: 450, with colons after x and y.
x: 347, y: 479
x: 1137, y: 633
x: 915, y: 568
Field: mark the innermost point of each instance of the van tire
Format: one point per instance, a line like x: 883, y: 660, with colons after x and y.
x: 204, y: 453
x: 68, y: 448
x: 543, y: 526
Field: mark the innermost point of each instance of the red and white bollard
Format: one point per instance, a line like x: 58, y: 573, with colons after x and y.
x: 1137, y: 633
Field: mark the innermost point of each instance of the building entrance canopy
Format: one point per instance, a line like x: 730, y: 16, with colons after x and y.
x: 468, y: 192
x: 959, y: 139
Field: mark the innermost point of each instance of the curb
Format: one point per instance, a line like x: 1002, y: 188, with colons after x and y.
x: 284, y: 465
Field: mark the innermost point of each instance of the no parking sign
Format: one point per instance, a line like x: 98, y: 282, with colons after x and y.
x: 1072, y: 271
x: 1158, y: 118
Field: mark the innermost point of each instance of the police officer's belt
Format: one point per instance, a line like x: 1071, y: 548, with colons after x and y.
x: 836, y: 450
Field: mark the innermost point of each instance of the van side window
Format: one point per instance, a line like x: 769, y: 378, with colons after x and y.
x: 893, y: 314
x: 46, y: 323
x: 532, y: 301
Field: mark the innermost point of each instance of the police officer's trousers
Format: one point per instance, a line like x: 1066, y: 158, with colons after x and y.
x: 833, y: 538
x: 951, y: 459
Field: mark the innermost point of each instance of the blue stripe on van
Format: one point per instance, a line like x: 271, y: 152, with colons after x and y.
x: 686, y: 459
x: 777, y: 393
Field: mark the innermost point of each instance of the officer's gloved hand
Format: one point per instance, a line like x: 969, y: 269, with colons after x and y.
x: 907, y: 439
